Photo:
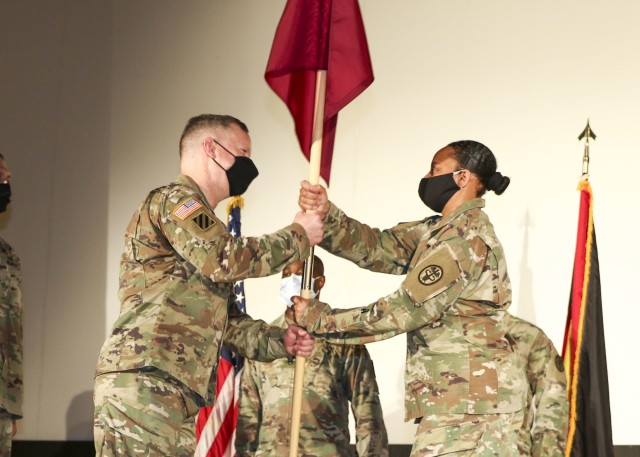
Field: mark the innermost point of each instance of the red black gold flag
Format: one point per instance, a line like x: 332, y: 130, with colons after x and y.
x: 319, y: 35
x: 584, y: 352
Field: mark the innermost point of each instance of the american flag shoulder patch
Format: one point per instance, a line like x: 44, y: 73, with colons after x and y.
x: 187, y: 208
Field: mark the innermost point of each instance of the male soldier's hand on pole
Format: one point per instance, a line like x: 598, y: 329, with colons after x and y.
x: 298, y: 342
x: 312, y: 224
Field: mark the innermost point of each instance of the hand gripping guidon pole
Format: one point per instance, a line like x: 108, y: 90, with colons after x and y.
x: 307, y: 275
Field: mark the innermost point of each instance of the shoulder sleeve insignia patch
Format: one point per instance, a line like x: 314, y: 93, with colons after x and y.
x: 433, y: 275
x: 203, y: 221
x: 187, y: 208
x: 430, y: 275
x: 559, y: 364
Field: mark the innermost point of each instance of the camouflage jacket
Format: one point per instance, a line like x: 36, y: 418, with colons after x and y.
x: 334, y: 376
x: 176, y: 281
x: 546, y: 418
x: 11, y: 383
x: 451, y: 306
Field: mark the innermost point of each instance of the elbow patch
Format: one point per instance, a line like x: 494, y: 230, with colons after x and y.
x: 433, y: 275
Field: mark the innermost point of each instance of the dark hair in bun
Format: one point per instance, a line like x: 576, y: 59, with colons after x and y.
x: 478, y: 159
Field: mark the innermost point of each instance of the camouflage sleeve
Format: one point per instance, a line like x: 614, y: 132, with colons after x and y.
x: 371, y: 434
x: 253, y: 339
x: 249, y: 412
x: 549, y: 388
x: 11, y: 342
x: 426, y: 293
x: 386, y: 251
x: 203, y: 241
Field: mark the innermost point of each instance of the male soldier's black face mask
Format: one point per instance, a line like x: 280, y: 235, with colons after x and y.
x: 240, y: 174
x: 436, y: 191
x: 5, y: 196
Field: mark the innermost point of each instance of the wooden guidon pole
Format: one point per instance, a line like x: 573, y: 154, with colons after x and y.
x: 307, y: 276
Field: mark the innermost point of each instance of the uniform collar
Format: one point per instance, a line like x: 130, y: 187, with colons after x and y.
x: 466, y: 206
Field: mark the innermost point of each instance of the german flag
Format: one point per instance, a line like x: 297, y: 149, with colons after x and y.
x: 585, y: 358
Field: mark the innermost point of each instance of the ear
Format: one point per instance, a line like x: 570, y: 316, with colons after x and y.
x: 471, y: 181
x: 463, y: 178
x: 209, y: 147
x: 320, y: 282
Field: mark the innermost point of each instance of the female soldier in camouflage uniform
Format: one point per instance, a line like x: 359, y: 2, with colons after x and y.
x: 463, y: 384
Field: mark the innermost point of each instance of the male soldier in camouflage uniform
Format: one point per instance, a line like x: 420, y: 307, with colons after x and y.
x: 546, y: 415
x: 10, y: 328
x: 334, y: 376
x: 158, y: 365
x: 464, y: 385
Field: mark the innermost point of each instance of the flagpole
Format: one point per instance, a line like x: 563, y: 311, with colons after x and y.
x: 307, y: 275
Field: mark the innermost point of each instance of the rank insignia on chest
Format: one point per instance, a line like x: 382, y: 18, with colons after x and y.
x: 430, y: 275
x: 203, y: 221
x: 189, y: 207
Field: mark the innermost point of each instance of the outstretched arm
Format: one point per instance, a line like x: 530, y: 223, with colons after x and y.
x: 417, y: 302
x: 385, y: 251
x: 257, y: 340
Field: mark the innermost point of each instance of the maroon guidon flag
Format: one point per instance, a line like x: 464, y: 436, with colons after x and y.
x: 319, y: 35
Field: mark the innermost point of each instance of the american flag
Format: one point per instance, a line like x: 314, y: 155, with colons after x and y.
x: 187, y: 208
x: 216, y: 425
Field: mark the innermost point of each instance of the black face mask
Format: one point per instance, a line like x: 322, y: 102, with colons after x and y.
x: 241, y: 173
x: 5, y: 196
x: 436, y: 191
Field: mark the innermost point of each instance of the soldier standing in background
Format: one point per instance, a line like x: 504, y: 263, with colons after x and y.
x: 464, y: 385
x: 11, y: 383
x: 335, y: 376
x: 546, y: 415
x: 158, y: 365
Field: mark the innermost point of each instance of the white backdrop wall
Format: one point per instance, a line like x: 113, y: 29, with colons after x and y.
x: 124, y: 76
x: 54, y: 133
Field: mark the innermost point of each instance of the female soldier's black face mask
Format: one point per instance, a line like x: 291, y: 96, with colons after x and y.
x: 436, y: 191
x: 240, y: 174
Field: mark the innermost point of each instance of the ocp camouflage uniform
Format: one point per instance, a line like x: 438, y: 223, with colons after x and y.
x: 546, y: 418
x: 462, y: 377
x: 11, y: 383
x: 334, y: 376
x: 176, y: 280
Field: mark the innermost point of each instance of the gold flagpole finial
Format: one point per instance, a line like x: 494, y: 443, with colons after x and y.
x: 587, y: 133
